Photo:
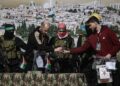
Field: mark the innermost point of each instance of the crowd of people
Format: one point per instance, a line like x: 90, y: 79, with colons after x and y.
x: 59, y: 51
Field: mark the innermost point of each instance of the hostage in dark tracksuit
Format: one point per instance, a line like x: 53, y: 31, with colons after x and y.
x: 38, y: 41
x: 41, y: 48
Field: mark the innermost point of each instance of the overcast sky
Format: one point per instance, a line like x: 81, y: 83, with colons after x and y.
x: 14, y: 3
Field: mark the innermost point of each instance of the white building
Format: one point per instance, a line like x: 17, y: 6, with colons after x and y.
x: 115, y: 5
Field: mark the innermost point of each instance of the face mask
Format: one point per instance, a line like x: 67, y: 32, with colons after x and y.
x: 62, y: 34
x: 9, y: 34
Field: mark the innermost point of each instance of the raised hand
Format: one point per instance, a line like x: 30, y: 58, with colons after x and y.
x: 108, y: 56
x: 66, y: 51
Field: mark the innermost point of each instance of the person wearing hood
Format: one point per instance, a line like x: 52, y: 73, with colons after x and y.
x: 62, y: 62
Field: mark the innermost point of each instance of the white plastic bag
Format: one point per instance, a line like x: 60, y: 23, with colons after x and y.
x: 39, y: 62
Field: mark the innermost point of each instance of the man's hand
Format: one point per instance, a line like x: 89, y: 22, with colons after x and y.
x: 66, y: 51
x: 58, y: 49
x: 108, y: 56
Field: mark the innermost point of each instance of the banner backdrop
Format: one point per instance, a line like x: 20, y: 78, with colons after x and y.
x: 38, y: 79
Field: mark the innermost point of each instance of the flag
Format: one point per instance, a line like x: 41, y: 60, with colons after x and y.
x: 48, y: 65
x: 23, y: 64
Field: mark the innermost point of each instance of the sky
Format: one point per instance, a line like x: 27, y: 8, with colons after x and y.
x: 15, y: 3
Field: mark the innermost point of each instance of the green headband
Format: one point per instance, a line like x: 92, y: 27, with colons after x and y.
x: 9, y: 28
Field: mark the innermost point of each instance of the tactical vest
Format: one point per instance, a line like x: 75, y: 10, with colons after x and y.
x: 9, y: 48
x: 62, y: 43
x: 65, y: 43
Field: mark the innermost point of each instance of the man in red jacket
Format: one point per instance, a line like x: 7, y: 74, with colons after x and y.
x: 102, y: 40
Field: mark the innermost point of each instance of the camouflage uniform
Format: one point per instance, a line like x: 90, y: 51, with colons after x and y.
x: 11, y: 49
x: 62, y: 62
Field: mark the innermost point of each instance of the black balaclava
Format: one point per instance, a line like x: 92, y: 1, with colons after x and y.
x: 9, y: 31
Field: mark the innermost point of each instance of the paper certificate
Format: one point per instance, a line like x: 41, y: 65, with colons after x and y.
x: 104, y: 74
x: 111, y: 65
